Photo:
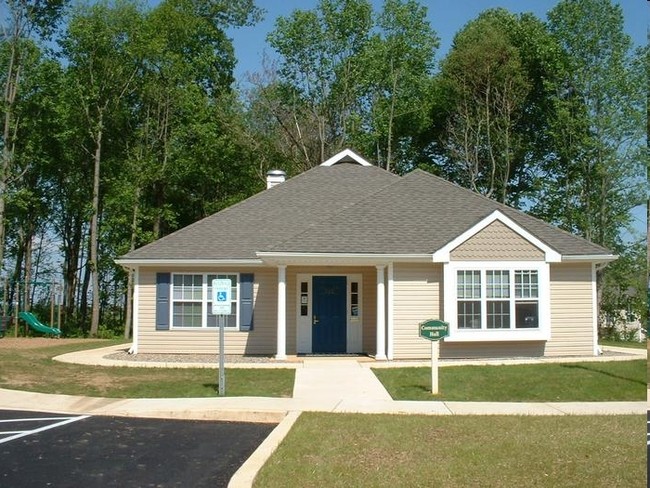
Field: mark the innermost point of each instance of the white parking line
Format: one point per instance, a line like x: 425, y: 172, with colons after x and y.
x: 23, y: 433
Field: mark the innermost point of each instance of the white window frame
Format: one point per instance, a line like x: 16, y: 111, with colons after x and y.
x: 205, y: 300
x: 541, y: 333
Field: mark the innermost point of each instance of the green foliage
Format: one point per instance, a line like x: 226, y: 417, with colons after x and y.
x: 350, y: 77
x: 623, y: 294
x: 591, y: 181
x: 492, y: 104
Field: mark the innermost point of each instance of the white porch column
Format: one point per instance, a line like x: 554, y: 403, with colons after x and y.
x: 282, y: 313
x: 594, y: 309
x: 135, y: 309
x: 381, y: 314
x: 390, y: 324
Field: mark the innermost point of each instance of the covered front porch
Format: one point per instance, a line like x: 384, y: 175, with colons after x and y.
x: 335, y: 309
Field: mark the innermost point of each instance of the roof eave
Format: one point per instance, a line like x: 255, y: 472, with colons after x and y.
x: 592, y: 258
x: 344, y: 259
x: 133, y: 263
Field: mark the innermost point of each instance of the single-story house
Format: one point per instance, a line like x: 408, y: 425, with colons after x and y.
x: 349, y: 258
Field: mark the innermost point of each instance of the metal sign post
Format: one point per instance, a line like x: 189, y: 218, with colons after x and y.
x: 221, y: 306
x: 434, y: 331
x: 222, y: 367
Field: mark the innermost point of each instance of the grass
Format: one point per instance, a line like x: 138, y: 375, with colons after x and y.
x: 34, y: 370
x: 343, y: 450
x: 630, y: 344
x: 574, y: 382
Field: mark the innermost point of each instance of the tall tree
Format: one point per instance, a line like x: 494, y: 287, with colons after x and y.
x: 101, y: 47
x: 595, y: 175
x: 348, y: 76
x: 320, y: 72
x: 182, y: 110
x: 398, y: 64
x: 26, y: 22
x: 598, y: 130
x: 487, y: 85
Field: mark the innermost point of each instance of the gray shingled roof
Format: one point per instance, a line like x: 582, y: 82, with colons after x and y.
x: 348, y: 208
x: 419, y: 214
x: 271, y: 216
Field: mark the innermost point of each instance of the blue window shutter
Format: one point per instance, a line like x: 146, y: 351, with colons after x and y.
x: 163, y: 290
x: 246, y: 301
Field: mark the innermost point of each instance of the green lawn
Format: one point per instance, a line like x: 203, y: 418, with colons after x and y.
x: 631, y: 344
x: 579, y: 382
x: 354, y: 450
x: 32, y: 369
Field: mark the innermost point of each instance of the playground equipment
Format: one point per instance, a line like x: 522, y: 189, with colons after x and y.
x: 25, y: 294
x: 35, y: 324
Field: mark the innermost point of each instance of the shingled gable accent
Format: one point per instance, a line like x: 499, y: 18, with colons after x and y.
x: 442, y: 255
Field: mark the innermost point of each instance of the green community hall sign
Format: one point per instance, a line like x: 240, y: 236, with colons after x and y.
x: 433, y: 330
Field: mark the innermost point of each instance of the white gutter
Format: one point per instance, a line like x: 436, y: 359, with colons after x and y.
x: 367, y: 259
x: 594, y: 258
x: 132, y: 263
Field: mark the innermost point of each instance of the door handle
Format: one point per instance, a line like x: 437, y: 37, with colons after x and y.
x: 314, y: 320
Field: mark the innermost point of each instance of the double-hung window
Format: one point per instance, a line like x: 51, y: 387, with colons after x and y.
x: 499, y: 298
x: 192, y: 300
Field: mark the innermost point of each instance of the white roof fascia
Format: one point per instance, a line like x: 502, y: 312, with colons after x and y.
x: 442, y: 254
x: 350, y: 259
x: 592, y: 258
x: 347, y: 155
x: 175, y: 263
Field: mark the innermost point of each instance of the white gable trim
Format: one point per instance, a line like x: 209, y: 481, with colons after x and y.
x: 346, y: 156
x: 442, y: 254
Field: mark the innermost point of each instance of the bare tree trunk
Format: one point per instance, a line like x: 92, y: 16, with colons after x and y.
x: 9, y: 100
x: 20, y: 253
x: 37, y: 264
x: 27, y: 288
x: 72, y: 239
x: 94, y: 238
x: 82, y: 298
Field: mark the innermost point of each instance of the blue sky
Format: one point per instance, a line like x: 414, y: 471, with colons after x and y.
x: 447, y: 17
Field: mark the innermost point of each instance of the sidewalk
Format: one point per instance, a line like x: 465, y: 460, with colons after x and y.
x: 321, y: 385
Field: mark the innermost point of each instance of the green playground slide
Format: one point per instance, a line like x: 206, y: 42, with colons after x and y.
x: 35, y: 324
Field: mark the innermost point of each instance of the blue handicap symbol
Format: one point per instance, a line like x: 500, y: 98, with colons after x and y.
x: 221, y: 296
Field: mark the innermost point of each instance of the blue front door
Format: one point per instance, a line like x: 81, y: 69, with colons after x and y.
x: 329, y: 324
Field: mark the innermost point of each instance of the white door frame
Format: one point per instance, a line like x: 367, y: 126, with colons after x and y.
x: 354, y: 323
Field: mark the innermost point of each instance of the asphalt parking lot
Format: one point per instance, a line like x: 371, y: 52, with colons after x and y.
x: 53, y: 450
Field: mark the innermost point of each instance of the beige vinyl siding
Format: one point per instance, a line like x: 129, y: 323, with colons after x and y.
x: 572, y: 329
x: 369, y: 300
x: 417, y: 295
x: 261, y: 340
x: 459, y: 350
x: 497, y: 242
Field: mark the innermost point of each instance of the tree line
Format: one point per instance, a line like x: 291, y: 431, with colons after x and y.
x: 122, y: 123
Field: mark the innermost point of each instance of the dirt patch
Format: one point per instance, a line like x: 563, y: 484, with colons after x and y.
x: 36, y: 342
